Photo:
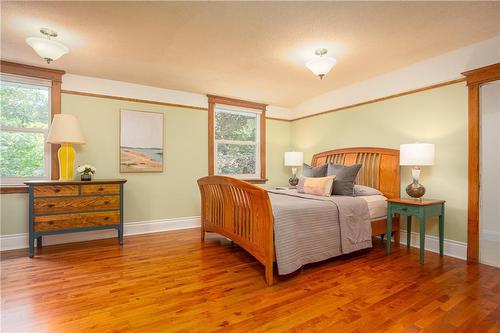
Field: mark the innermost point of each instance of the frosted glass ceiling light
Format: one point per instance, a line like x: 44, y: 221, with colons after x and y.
x: 46, y: 47
x: 322, y: 65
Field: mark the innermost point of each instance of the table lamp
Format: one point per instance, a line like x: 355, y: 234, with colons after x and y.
x: 65, y: 130
x: 416, y: 155
x: 294, y: 159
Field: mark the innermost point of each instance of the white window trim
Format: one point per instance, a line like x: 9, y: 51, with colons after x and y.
x: 33, y: 81
x: 235, y: 109
x: 256, y: 143
x: 47, y: 148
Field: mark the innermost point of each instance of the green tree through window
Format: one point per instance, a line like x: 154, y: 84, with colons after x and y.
x: 237, y: 142
x: 24, y: 120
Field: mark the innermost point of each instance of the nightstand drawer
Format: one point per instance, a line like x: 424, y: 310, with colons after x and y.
x: 55, y: 190
x: 101, y: 189
x: 68, y: 205
x: 72, y: 221
x: 404, y: 209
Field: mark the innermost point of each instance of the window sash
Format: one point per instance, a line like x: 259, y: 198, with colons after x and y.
x: 46, y: 156
x: 236, y: 110
x: 25, y: 80
x: 25, y: 129
x: 10, y: 79
x: 255, y: 143
x: 236, y: 142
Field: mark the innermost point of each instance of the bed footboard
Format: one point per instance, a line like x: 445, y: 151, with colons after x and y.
x: 241, y: 212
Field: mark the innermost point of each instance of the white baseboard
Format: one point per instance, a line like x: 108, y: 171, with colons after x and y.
x: 20, y: 241
x: 452, y: 248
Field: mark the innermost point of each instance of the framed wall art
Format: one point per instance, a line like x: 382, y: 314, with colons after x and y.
x: 141, y: 141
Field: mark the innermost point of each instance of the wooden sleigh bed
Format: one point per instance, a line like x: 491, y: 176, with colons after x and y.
x: 242, y: 212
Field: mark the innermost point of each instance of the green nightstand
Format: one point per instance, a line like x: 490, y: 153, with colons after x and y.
x: 422, y: 209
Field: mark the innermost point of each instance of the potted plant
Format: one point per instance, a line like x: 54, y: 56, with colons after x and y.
x: 86, y: 171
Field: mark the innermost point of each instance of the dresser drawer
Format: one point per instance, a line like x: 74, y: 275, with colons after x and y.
x: 100, y: 189
x: 72, y: 221
x: 63, y: 205
x: 404, y: 209
x: 55, y: 190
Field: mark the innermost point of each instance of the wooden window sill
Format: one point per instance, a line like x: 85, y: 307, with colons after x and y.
x: 10, y: 189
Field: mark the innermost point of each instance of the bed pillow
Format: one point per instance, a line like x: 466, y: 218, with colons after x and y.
x: 361, y: 190
x: 316, y: 185
x: 309, y: 171
x: 345, y: 176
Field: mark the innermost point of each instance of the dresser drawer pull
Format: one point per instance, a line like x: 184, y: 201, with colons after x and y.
x: 101, y: 189
x: 57, y: 190
x: 106, y: 218
x: 106, y: 202
x: 51, y: 205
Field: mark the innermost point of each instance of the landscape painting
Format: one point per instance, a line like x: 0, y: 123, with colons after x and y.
x: 141, y: 141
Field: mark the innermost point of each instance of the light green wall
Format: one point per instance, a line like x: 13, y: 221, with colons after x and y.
x: 14, y: 213
x: 436, y: 116
x: 149, y: 196
x: 278, y: 139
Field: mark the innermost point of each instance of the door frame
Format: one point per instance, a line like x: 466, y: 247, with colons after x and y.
x: 475, y: 78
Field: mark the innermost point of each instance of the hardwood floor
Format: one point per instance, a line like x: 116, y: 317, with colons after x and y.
x: 170, y: 282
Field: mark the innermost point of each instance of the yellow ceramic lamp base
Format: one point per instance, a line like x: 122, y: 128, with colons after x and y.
x: 66, y: 155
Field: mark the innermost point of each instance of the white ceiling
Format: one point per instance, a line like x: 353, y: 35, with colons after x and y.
x: 248, y: 50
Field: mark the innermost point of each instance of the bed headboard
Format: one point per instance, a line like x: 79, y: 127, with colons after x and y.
x: 380, y: 166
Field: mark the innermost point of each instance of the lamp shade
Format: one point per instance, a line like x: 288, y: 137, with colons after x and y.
x: 47, y: 48
x: 321, y: 65
x: 294, y: 158
x: 416, y: 154
x: 65, y: 129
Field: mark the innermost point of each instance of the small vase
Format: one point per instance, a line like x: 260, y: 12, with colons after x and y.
x: 86, y: 177
x: 293, y: 181
x: 415, y: 190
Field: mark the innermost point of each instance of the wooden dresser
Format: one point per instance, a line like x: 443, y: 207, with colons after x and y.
x: 57, y: 207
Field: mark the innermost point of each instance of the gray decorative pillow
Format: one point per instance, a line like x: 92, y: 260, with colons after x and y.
x: 314, y: 172
x: 361, y: 190
x: 344, y: 182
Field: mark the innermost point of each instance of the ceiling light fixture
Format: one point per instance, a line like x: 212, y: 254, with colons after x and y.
x: 321, y: 65
x: 47, y: 48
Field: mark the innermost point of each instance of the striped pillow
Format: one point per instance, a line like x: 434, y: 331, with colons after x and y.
x: 317, y: 185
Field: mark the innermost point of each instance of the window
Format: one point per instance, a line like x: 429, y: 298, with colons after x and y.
x: 237, y: 138
x: 24, y: 121
x: 29, y: 97
x: 237, y: 143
